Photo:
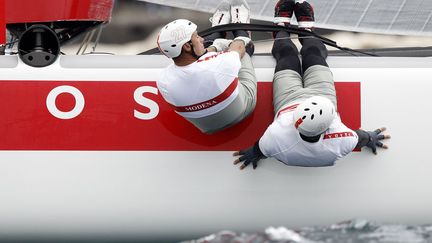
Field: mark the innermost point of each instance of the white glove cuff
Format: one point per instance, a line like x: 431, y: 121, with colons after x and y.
x: 246, y: 40
x: 221, y: 44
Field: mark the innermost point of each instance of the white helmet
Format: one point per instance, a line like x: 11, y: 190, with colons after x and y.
x: 174, y: 35
x: 314, y: 116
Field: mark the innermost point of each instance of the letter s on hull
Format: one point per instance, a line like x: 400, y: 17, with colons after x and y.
x: 140, y: 99
x: 51, y: 102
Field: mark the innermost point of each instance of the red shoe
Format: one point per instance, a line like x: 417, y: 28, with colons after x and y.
x: 283, y: 12
x: 305, y: 15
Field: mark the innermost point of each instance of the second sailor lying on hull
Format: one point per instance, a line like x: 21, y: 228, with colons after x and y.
x: 306, y: 131
x: 212, y: 88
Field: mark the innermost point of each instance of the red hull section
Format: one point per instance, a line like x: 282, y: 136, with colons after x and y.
x: 108, y: 120
x: 30, y: 11
x: 2, y: 22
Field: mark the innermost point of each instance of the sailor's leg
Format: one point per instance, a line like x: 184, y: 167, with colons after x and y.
x: 317, y: 77
x: 221, y: 16
x: 313, y: 52
x: 240, y: 13
x: 247, y: 85
x: 285, y: 53
x: 287, y: 80
x: 238, y: 33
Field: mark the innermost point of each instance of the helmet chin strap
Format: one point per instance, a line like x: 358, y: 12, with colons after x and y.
x: 193, y: 51
x: 313, y: 139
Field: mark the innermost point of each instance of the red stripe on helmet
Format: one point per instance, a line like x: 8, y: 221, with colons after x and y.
x: 160, y: 49
x: 298, y: 122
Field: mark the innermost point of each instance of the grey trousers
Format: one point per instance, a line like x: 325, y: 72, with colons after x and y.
x: 289, y: 86
x: 239, y: 109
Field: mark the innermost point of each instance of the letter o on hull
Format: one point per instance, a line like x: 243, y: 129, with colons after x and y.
x: 79, y: 102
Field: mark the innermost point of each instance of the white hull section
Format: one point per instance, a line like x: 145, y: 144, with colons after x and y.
x: 157, y: 193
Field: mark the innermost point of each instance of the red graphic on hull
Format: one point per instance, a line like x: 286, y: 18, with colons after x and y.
x: 37, y: 11
x: 2, y: 22
x: 126, y: 116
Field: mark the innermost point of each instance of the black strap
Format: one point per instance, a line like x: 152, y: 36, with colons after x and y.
x: 267, y: 28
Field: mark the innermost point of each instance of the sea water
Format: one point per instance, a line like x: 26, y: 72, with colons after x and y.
x: 352, y: 231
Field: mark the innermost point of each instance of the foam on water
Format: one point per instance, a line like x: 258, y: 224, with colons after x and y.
x: 353, y: 231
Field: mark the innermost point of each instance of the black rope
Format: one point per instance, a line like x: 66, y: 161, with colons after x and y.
x: 268, y: 28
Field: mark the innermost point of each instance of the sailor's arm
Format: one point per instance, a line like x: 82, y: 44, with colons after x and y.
x: 260, y: 150
x: 211, y: 49
x: 371, y: 139
x: 239, y: 45
x: 219, y: 45
x: 250, y: 155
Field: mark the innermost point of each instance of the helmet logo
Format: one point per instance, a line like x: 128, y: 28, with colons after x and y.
x: 179, y: 34
x: 298, y: 122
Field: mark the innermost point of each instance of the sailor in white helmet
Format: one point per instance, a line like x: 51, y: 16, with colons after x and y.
x: 307, y: 130
x: 212, y: 88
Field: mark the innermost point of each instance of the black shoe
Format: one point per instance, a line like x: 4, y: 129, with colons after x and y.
x: 283, y: 12
x: 305, y: 15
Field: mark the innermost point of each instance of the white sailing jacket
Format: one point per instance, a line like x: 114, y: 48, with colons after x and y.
x: 283, y: 142
x: 204, y: 87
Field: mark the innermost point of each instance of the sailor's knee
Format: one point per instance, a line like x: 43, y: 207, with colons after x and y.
x: 249, y: 84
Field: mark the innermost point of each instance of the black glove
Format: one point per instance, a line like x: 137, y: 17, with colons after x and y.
x: 249, y: 155
x: 371, y: 139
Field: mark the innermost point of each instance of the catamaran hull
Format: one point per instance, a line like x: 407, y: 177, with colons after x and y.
x: 89, y: 147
